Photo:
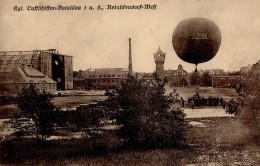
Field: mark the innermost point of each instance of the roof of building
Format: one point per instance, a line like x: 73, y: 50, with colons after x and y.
x: 159, y: 51
x: 106, y: 70
x: 13, y: 59
x: 159, y: 56
x: 101, y: 72
x: 180, y: 68
x: 10, y: 60
x: 25, y: 74
x: 31, y: 72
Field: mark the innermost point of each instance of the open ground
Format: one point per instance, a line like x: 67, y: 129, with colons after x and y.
x: 218, y: 142
x: 213, y: 138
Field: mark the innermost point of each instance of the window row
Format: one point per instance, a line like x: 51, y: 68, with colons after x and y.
x: 105, y: 81
x: 108, y: 76
x: 41, y: 87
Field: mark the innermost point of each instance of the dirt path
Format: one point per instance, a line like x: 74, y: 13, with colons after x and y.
x: 205, y: 112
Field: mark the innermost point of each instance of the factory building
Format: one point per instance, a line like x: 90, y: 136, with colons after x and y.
x: 105, y: 78
x: 50, y: 63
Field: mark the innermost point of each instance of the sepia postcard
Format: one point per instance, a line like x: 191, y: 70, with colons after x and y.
x: 130, y: 82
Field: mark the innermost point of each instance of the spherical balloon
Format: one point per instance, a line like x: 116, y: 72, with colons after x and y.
x: 196, y: 40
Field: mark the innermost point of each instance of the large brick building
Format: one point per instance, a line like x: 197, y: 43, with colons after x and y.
x: 102, y: 78
x: 50, y: 63
x: 105, y: 78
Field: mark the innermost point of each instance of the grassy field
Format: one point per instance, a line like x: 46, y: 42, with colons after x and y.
x: 73, y: 101
x: 210, y: 141
x: 74, y: 98
x: 81, y: 98
x: 222, y: 141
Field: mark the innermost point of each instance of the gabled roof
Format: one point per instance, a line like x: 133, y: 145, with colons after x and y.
x: 170, y: 72
x: 25, y: 74
x: 31, y: 72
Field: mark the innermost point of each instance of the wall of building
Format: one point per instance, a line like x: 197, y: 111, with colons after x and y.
x: 50, y: 88
x: 16, y: 88
x: 45, y: 63
x: 103, y: 78
x: 103, y: 83
x: 226, y: 81
x: 62, y: 71
x: 79, y: 83
x: 58, y: 71
x: 68, y: 67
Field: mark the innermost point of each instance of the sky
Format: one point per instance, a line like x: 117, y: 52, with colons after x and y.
x: 99, y: 39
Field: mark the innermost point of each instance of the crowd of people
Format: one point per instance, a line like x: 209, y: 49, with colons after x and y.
x: 197, y: 100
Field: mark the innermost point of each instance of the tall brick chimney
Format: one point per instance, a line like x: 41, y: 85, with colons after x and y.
x: 130, y: 67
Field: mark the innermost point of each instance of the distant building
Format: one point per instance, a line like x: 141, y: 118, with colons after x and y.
x: 23, y: 77
x: 177, y: 77
x: 226, y: 81
x: 52, y: 64
x: 216, y: 72
x: 146, y: 76
x: 79, y: 80
x: 256, y: 68
x: 103, y: 78
x: 109, y: 78
x: 245, y: 69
